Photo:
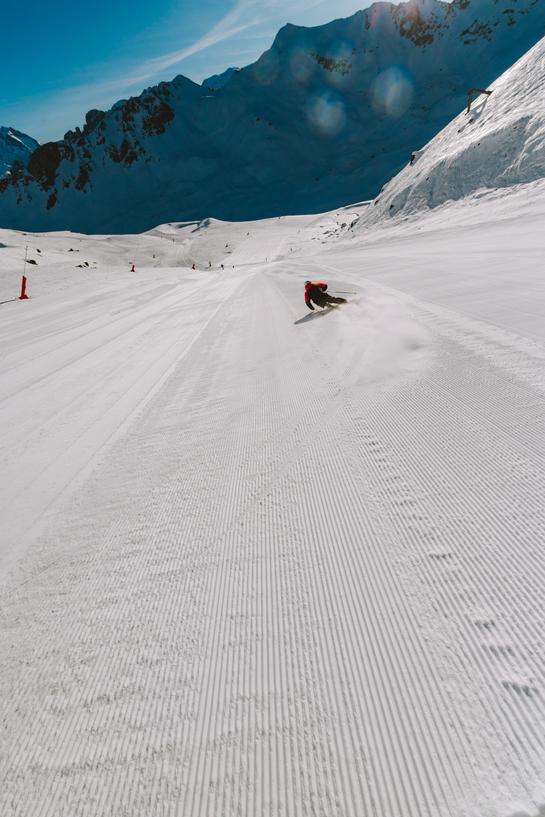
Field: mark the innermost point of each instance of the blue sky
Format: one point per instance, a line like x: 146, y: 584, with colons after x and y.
x: 59, y: 59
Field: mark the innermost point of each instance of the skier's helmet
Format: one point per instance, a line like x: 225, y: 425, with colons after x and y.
x: 308, y: 282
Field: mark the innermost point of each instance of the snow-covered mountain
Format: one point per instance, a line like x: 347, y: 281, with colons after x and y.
x: 14, y: 147
x: 324, y: 117
x: 499, y: 143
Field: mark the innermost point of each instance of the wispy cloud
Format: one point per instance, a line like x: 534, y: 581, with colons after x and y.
x: 242, y: 17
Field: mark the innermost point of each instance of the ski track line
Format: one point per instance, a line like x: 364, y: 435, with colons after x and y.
x: 417, y: 537
x: 56, y: 339
x: 523, y: 397
x: 498, y: 581
x: 85, y: 445
x: 355, y: 467
x: 507, y: 369
x: 213, y: 674
x: 527, y: 501
x: 515, y: 409
x: 518, y: 358
x: 128, y: 322
x: 64, y: 316
x: 529, y: 734
x: 313, y: 670
x: 116, y: 370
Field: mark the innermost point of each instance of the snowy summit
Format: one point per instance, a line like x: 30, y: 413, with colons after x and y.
x: 14, y: 147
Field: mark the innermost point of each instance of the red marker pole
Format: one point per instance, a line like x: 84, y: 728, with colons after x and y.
x: 23, y: 296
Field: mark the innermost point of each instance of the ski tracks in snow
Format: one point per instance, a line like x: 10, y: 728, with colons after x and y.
x: 459, y: 470
x: 71, y: 382
x: 307, y: 580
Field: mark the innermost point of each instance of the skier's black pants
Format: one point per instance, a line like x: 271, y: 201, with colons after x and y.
x: 324, y: 298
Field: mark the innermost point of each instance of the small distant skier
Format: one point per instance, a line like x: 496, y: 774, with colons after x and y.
x: 317, y: 291
x: 210, y: 265
x: 222, y: 266
x: 193, y: 266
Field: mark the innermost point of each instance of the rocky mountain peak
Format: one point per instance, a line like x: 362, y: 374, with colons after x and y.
x: 324, y: 117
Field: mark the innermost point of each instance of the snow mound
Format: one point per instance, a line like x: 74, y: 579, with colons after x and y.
x: 499, y: 143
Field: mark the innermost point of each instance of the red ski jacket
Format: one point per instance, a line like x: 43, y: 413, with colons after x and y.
x: 308, y: 290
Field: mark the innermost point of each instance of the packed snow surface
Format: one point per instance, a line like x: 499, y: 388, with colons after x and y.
x: 262, y: 561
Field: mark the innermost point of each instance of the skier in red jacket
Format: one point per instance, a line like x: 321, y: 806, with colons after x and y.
x: 317, y: 291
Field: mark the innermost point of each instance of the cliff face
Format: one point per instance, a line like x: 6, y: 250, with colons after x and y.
x: 326, y: 116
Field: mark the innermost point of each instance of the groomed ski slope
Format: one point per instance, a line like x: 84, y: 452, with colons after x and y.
x: 260, y: 562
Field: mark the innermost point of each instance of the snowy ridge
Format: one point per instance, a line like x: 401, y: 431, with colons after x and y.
x: 14, y: 147
x: 500, y: 143
x: 323, y: 118
x: 217, y: 81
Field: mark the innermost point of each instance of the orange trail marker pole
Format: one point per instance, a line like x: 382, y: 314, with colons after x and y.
x: 23, y: 296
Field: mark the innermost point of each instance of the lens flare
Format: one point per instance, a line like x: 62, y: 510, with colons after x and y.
x: 374, y: 15
x: 392, y: 92
x: 302, y: 66
x: 326, y: 113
